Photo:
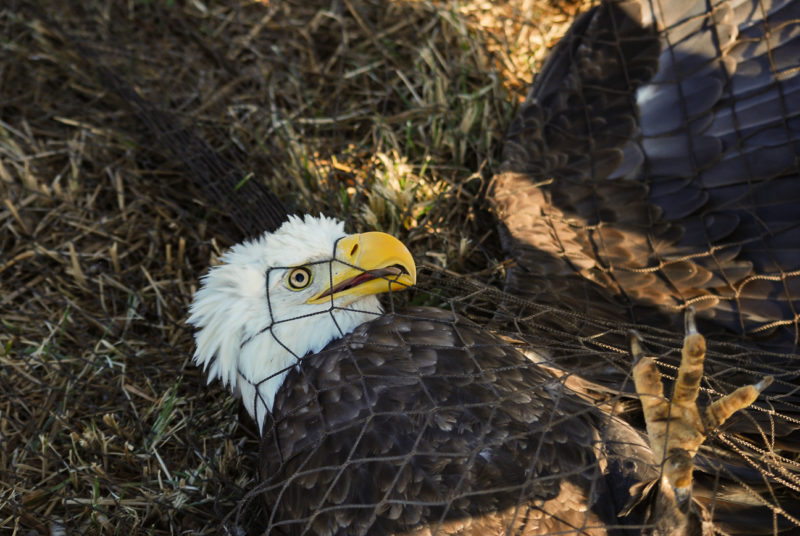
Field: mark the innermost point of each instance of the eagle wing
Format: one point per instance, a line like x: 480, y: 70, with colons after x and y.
x: 654, y: 165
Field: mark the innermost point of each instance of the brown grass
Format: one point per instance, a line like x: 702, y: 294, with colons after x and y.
x: 390, y: 115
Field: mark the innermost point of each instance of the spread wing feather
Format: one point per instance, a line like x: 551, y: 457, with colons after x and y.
x: 654, y: 165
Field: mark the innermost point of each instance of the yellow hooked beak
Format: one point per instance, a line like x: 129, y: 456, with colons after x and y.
x: 369, y: 263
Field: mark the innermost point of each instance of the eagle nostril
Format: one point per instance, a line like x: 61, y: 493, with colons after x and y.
x: 354, y: 249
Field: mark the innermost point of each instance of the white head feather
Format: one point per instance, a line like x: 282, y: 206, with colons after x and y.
x: 252, y: 328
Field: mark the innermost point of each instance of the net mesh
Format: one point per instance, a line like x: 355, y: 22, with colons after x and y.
x: 140, y: 140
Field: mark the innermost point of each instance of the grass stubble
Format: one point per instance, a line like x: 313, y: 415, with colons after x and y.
x: 388, y: 115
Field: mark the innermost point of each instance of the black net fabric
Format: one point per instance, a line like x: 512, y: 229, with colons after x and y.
x: 652, y: 167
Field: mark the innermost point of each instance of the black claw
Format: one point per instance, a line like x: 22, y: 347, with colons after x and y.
x: 764, y: 383
x: 689, y: 324
x: 635, y: 341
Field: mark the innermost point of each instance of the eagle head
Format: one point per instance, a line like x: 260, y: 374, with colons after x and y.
x: 286, y: 294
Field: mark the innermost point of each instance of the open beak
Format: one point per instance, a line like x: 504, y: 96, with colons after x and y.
x: 368, y: 263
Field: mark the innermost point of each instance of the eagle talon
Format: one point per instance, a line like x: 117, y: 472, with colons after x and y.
x: 676, y: 427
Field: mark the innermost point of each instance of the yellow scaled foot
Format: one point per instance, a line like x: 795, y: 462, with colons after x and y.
x: 677, y: 427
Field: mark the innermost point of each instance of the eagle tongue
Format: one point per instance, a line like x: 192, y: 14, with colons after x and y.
x: 364, y: 277
x: 360, y: 278
x: 350, y: 283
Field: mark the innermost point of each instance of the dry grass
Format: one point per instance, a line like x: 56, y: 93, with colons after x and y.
x: 388, y: 114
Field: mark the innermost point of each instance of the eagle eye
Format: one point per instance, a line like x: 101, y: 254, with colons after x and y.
x: 299, y: 278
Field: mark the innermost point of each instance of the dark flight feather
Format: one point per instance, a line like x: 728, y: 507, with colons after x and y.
x: 680, y: 140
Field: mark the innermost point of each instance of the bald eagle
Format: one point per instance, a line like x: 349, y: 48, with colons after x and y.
x: 415, y: 421
x: 633, y: 187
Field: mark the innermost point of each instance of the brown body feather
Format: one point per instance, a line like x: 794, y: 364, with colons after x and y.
x: 423, y: 423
